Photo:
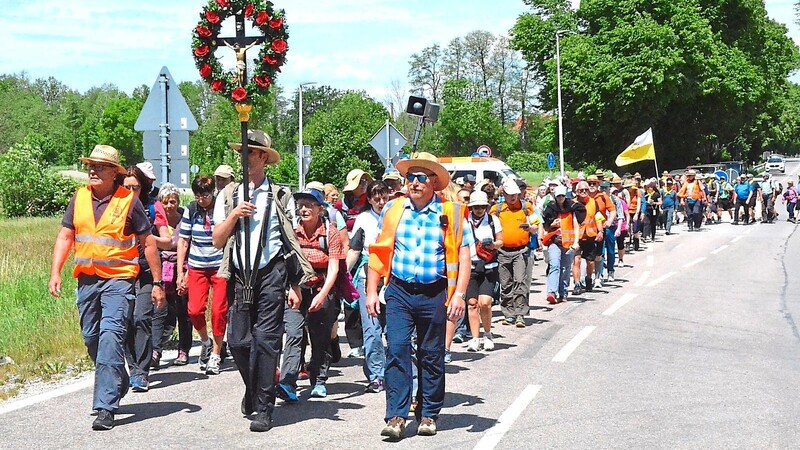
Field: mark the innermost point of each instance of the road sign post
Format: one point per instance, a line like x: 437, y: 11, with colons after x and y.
x: 388, y: 142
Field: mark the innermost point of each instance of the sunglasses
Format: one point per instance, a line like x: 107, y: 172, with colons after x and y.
x: 132, y: 188
x: 421, y: 177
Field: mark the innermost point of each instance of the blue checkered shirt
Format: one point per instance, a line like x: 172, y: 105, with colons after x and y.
x: 419, y: 242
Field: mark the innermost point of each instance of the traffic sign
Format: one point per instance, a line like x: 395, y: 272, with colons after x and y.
x: 551, y: 161
x: 179, y: 116
x: 484, y: 150
x: 388, y: 142
x: 722, y: 175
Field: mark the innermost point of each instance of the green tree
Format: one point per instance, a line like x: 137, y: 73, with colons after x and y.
x: 116, y: 128
x: 339, y: 138
x: 698, y: 72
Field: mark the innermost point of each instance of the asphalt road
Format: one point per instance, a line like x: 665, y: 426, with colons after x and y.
x: 695, y: 346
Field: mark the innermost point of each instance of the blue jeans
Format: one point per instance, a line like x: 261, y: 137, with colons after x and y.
x: 610, y: 248
x: 559, y: 269
x: 670, y: 215
x: 104, y: 306
x: 372, y: 328
x: 406, y: 312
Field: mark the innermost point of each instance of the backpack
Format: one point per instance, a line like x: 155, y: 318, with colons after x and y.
x: 483, y: 253
x: 344, y: 281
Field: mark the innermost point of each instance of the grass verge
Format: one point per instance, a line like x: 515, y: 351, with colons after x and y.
x: 40, y: 333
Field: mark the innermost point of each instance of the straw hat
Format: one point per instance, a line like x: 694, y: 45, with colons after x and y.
x: 427, y: 161
x: 354, y: 179
x: 104, y: 154
x: 258, y: 140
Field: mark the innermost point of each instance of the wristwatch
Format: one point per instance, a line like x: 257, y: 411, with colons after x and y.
x: 460, y: 294
x: 159, y: 283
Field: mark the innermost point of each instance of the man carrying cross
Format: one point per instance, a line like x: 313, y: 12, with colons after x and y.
x: 257, y: 293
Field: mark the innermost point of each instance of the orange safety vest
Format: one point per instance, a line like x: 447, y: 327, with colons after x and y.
x: 381, y: 251
x: 103, y: 248
x: 633, y: 206
x: 589, y: 225
x: 697, y: 192
x: 567, y: 229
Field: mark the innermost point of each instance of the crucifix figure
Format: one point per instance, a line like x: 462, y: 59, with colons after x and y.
x: 241, y: 63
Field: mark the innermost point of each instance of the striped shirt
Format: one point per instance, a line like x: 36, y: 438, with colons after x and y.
x: 419, y: 242
x: 198, y: 230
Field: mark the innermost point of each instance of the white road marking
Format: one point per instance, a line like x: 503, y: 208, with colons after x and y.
x: 696, y: 261
x: 650, y: 260
x: 650, y: 248
x: 32, y: 400
x: 660, y: 279
x: 564, y: 353
x: 676, y: 246
x: 619, y: 304
x: 495, y: 434
x: 643, y: 278
x: 714, y: 252
x: 749, y: 231
x: 736, y: 239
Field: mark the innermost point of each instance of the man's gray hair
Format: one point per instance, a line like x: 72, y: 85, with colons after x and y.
x: 168, y: 189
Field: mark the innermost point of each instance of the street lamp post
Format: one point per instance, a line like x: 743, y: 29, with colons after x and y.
x: 301, y: 179
x: 560, y: 114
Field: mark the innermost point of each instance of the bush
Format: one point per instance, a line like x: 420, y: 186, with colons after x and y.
x: 527, y: 162
x: 27, y: 188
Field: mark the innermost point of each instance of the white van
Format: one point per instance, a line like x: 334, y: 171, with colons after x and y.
x: 480, y: 167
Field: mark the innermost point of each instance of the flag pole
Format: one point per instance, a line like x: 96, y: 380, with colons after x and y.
x: 655, y: 158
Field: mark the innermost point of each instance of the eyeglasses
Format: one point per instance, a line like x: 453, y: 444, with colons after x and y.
x: 583, y: 190
x: 97, y: 167
x: 478, y: 206
x: 594, y: 184
x: 421, y: 177
x: 133, y: 188
x: 205, y: 196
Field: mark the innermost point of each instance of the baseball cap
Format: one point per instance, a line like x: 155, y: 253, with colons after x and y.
x: 510, y: 187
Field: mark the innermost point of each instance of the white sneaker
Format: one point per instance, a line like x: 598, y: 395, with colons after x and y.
x: 474, y: 345
x: 213, y: 364
x: 610, y: 276
x: 598, y: 283
x: 488, y: 343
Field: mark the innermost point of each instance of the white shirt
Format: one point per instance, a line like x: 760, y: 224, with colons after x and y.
x: 484, y: 231
x: 367, y: 221
x: 274, y: 242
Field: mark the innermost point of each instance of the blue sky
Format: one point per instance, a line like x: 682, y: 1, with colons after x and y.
x: 348, y: 44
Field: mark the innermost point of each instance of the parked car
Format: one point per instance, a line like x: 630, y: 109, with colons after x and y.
x: 480, y: 167
x: 775, y: 162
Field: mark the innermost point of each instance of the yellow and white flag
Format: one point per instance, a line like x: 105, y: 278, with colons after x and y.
x: 642, y: 149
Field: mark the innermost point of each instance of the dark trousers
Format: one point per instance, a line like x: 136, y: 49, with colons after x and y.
x: 255, y: 331
x: 427, y: 314
x: 165, y: 319
x: 741, y: 203
x: 319, y: 325
x: 694, y: 212
x: 139, y: 341
x: 352, y: 327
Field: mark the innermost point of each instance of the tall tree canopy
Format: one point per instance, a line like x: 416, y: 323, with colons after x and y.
x: 700, y: 72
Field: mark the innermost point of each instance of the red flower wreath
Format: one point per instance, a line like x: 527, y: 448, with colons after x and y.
x: 269, y: 22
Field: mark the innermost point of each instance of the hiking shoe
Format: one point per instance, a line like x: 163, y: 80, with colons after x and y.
x: 488, y: 343
x: 261, y: 423
x: 413, y: 406
x: 182, y: 359
x: 139, y: 383
x: 375, y: 386
x: 104, y: 420
x: 587, y: 284
x: 508, y: 320
x: 155, y: 361
x: 319, y: 391
x: 427, y: 427
x: 286, y: 393
x: 551, y: 298
x: 357, y: 352
x: 213, y: 364
x: 474, y: 345
x: 520, y: 323
x: 395, y: 428
x: 459, y: 338
x: 205, y: 354
x: 303, y: 374
x: 448, y: 357
x: 577, y: 290
x: 336, y: 350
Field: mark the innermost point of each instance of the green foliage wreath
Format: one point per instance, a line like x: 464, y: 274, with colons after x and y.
x: 271, y: 57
